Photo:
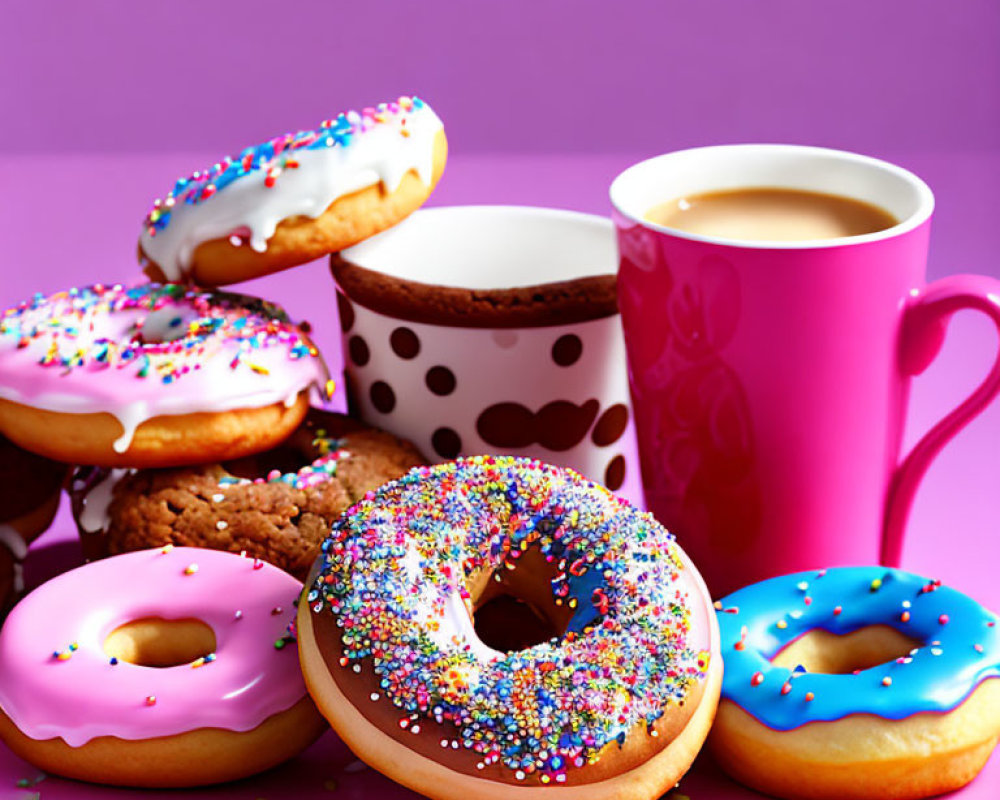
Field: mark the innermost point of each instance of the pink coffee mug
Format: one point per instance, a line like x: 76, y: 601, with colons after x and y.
x: 770, y: 379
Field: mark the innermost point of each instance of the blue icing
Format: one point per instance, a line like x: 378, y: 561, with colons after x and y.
x: 273, y: 154
x: 582, y: 588
x: 937, y: 676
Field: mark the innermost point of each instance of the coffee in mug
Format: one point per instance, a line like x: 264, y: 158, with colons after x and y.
x: 771, y: 214
x: 769, y: 376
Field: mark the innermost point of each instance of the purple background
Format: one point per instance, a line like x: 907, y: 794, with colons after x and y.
x: 105, y: 103
x: 507, y: 75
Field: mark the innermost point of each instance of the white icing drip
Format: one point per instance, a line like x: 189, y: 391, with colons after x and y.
x: 14, y: 542
x: 130, y: 416
x: 380, y: 154
x: 94, y: 516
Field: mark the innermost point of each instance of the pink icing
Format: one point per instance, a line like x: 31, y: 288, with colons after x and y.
x: 150, y: 350
x: 84, y: 696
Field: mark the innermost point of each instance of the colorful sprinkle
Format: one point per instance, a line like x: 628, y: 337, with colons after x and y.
x: 614, y: 567
x: 65, y: 325
x: 933, y: 677
x: 320, y: 470
x: 275, y: 156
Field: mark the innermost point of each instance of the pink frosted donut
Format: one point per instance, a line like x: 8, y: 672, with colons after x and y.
x: 163, y: 667
x: 152, y: 376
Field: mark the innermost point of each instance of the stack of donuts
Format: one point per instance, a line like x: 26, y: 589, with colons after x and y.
x: 261, y: 567
x: 181, y: 416
x: 211, y: 389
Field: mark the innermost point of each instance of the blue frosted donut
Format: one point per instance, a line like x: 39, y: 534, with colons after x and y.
x: 957, y: 652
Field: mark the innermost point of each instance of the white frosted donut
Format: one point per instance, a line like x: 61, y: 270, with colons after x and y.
x: 296, y: 197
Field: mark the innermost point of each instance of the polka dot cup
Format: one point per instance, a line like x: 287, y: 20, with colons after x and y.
x: 492, y: 329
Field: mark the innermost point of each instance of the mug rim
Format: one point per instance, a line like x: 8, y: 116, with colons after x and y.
x: 529, y: 305
x: 920, y: 215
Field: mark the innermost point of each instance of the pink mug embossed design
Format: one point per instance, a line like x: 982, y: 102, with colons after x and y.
x: 770, y: 379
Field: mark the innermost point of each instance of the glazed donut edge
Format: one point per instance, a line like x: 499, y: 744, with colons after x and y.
x: 861, y: 756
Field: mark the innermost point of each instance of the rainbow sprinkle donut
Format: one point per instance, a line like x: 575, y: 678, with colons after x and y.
x: 153, y: 375
x: 615, y: 703
x: 296, y: 197
x: 856, y: 682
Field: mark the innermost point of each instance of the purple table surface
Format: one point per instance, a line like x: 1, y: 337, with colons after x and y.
x: 73, y: 220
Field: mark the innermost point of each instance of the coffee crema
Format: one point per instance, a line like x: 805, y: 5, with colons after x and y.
x: 771, y: 214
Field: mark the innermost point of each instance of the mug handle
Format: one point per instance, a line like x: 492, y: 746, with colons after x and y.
x: 925, y: 321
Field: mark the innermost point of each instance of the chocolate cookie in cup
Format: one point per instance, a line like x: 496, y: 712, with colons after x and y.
x: 492, y: 329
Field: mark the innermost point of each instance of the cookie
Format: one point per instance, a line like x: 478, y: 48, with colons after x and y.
x: 277, y: 506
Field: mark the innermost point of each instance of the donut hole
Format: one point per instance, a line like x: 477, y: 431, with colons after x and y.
x: 841, y: 654
x: 166, y: 324
x: 516, y: 609
x: 156, y: 642
x: 507, y: 623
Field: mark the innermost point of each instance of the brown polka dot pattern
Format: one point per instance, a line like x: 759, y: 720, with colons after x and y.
x: 345, y: 311
x: 567, y: 350
x: 610, y: 425
x: 405, y: 343
x: 357, y: 349
x: 614, y: 475
x: 557, y: 426
x: 382, y: 397
x: 446, y: 443
x: 440, y: 380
